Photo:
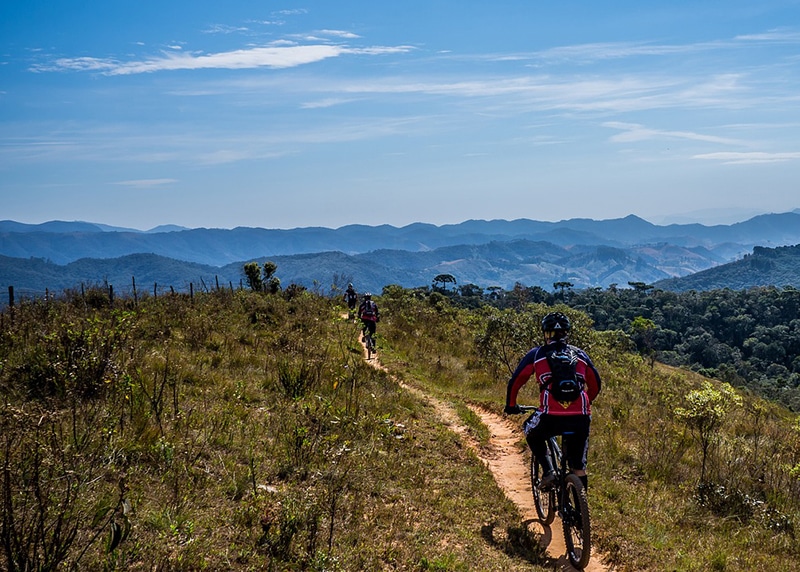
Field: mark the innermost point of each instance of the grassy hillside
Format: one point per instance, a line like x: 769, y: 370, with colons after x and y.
x: 650, y: 427
x: 243, y: 431
x: 227, y: 432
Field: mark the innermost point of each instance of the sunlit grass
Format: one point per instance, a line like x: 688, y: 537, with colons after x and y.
x: 644, y: 461
x: 231, y: 431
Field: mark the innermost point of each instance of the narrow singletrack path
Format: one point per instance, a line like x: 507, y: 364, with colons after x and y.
x: 508, y: 461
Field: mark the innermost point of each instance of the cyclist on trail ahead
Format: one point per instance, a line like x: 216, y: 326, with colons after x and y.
x: 351, y: 298
x: 368, y: 314
x: 568, y: 383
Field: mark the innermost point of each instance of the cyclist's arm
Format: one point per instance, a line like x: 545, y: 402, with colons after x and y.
x: 520, y: 377
x: 592, y: 380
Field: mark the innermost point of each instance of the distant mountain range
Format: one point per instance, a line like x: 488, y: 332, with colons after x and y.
x: 778, y: 267
x: 585, y: 252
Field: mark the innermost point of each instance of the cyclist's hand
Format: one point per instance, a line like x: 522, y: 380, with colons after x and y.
x: 512, y: 410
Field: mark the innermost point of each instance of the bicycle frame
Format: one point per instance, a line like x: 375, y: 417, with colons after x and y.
x: 567, y: 498
x: 369, y: 342
x: 558, y: 459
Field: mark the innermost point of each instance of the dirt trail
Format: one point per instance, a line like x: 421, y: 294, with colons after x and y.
x: 510, y: 466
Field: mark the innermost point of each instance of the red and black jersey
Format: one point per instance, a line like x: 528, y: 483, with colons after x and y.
x: 368, y: 310
x: 535, y: 365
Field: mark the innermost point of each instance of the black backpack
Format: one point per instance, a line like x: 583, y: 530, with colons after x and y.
x: 369, y: 309
x: 563, y: 361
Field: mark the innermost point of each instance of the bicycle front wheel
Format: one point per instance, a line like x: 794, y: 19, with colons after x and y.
x: 544, y: 501
x: 575, y: 518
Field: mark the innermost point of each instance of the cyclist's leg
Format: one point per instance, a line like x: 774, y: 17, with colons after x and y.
x: 578, y: 445
x: 368, y: 326
x: 537, y: 432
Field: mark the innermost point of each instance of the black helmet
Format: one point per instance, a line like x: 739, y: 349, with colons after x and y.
x: 367, y: 295
x: 556, y: 322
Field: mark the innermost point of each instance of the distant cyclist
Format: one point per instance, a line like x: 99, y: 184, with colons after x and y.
x: 368, y: 314
x: 568, y: 383
x: 351, y: 299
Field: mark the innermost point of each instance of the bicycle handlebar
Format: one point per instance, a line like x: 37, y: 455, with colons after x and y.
x: 525, y: 408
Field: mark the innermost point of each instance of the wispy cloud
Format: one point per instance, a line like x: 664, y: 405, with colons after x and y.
x: 275, y: 57
x: 146, y: 183
x: 224, y: 29
x: 324, y: 103
x: 777, y: 35
x: 749, y: 158
x: 633, y: 132
x: 599, y: 51
x: 339, y: 34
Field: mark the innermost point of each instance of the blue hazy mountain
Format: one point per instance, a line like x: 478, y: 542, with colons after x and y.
x: 585, y: 252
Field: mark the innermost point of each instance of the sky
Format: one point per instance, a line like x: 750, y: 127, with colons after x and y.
x: 286, y: 114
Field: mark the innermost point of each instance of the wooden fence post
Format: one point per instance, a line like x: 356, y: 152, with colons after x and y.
x: 11, y: 296
x: 135, y: 298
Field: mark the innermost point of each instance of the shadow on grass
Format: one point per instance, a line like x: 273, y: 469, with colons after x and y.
x: 516, y: 542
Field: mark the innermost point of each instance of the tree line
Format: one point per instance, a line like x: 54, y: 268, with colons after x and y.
x: 749, y: 338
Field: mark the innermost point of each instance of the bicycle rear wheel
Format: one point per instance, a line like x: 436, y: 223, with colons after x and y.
x: 575, y: 519
x: 544, y: 501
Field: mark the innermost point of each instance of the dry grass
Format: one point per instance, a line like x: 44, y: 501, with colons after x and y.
x: 645, y: 460
x: 229, y: 431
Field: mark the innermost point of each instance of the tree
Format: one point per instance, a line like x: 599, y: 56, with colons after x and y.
x: 471, y: 290
x: 563, y: 287
x: 644, y: 331
x: 271, y: 282
x: 705, y: 411
x: 640, y: 287
x: 252, y: 272
x: 440, y: 280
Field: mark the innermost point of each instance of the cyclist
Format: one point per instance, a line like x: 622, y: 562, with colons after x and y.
x: 555, y: 417
x: 351, y: 299
x: 368, y: 314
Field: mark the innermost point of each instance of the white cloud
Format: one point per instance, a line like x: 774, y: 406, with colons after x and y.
x: 635, y: 132
x: 339, y: 34
x: 291, y: 12
x: 276, y: 57
x: 749, y: 158
x: 146, y: 183
x: 323, y: 103
x: 775, y: 35
x: 224, y: 29
x: 592, y: 52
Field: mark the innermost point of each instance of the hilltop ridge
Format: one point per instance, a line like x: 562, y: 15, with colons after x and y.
x: 584, y: 252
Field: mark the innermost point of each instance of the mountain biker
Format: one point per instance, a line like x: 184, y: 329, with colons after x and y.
x: 350, y: 298
x: 554, y: 417
x: 368, y: 314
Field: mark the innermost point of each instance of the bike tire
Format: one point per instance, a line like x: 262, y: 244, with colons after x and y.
x: 370, y: 343
x: 544, y: 501
x: 576, y: 523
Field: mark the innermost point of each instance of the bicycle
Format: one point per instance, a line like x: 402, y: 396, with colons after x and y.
x: 567, y: 498
x: 369, y: 342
